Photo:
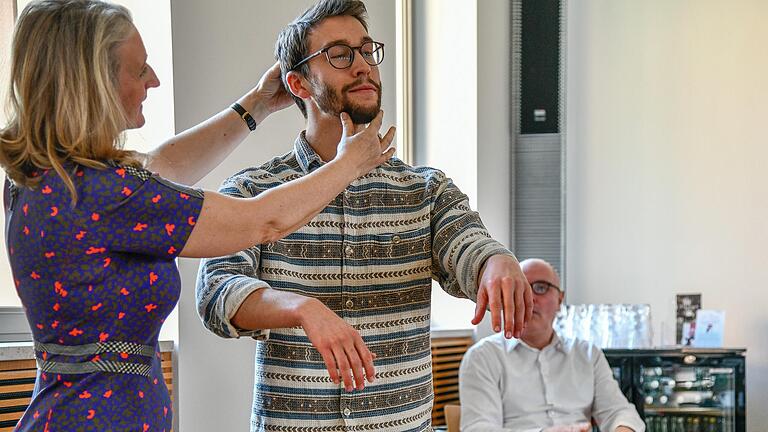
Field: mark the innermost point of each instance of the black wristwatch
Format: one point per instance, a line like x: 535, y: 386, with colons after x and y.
x: 245, y: 115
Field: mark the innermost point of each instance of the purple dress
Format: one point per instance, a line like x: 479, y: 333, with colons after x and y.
x: 97, y: 280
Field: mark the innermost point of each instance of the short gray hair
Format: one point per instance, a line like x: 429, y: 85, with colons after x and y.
x: 292, y: 45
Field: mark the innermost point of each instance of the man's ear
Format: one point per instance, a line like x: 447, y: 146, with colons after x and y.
x: 297, y: 85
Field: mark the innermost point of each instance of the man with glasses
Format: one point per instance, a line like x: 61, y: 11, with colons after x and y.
x: 355, y: 283
x: 541, y: 382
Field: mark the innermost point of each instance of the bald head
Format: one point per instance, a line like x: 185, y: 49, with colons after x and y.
x: 536, y: 269
x: 538, y: 331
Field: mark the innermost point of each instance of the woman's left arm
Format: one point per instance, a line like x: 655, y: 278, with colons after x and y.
x: 190, y: 155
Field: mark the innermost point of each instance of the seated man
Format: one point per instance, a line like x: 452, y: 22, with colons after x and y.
x: 541, y: 382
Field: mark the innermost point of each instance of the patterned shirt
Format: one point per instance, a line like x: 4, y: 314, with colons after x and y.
x: 370, y: 256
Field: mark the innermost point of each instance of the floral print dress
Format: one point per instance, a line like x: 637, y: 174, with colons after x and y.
x: 97, y: 280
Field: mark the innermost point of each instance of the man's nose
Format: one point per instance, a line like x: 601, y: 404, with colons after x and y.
x: 359, y: 65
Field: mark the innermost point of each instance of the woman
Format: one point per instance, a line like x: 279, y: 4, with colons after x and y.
x: 92, y: 234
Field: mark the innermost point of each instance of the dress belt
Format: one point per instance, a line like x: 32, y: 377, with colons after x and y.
x: 96, y: 365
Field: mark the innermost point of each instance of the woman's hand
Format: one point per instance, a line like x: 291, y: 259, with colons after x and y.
x: 269, y: 95
x: 362, y: 146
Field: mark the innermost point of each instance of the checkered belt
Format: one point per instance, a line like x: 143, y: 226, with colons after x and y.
x: 97, y: 365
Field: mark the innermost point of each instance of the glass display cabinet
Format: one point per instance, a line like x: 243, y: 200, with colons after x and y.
x: 684, y: 389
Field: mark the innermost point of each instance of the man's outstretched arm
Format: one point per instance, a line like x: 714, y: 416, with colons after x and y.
x: 469, y: 263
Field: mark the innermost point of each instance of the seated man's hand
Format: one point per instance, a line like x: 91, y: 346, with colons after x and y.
x: 578, y: 427
x: 624, y: 429
x: 504, y: 288
x: 340, y: 345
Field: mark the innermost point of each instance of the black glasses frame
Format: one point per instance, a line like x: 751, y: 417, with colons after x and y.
x: 548, y: 285
x: 376, y: 46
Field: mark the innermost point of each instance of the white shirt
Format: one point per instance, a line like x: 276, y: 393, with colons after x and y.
x: 505, y: 385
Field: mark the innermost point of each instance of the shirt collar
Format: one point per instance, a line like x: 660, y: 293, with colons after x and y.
x: 308, y: 159
x: 562, y: 345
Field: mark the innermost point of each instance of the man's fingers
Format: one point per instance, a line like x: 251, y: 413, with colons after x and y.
x: 341, y: 361
x: 494, y: 299
x: 482, y: 303
x: 330, y: 364
x: 519, y: 309
x: 528, y: 296
x: 508, y: 300
x: 348, y: 129
x: 356, y: 364
x: 367, y: 357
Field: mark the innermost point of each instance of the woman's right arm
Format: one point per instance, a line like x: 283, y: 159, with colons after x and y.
x: 227, y: 225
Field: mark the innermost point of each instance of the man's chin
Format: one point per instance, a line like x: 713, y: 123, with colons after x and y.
x: 362, y: 117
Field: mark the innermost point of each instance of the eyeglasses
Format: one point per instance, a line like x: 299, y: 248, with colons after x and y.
x: 541, y: 287
x: 341, y: 56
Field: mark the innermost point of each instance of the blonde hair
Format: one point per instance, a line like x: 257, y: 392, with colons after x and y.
x: 63, y: 98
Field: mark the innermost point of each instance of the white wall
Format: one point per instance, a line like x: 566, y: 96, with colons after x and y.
x: 220, y: 51
x: 667, y: 103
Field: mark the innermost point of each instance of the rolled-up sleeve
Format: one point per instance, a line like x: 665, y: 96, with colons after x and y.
x: 224, y: 283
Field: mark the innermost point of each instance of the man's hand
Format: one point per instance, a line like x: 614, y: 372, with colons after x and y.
x: 624, y: 429
x: 578, y: 427
x: 504, y: 287
x: 340, y: 345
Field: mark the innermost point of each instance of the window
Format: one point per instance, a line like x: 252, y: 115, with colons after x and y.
x: 7, y: 17
x: 153, y: 19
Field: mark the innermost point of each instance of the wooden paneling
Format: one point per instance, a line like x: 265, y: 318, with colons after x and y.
x: 446, y: 359
x: 17, y: 381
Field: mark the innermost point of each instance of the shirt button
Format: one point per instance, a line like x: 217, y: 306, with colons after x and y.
x: 396, y: 239
x: 347, y: 412
x: 348, y: 251
x: 349, y: 304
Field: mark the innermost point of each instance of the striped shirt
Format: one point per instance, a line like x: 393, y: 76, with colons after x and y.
x: 369, y: 256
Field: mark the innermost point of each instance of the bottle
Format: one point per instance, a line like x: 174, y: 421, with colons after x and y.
x: 681, y: 424
x: 661, y: 422
x: 712, y: 425
x: 650, y: 423
x: 696, y: 426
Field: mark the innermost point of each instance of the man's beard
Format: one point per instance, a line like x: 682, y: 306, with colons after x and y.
x: 331, y: 103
